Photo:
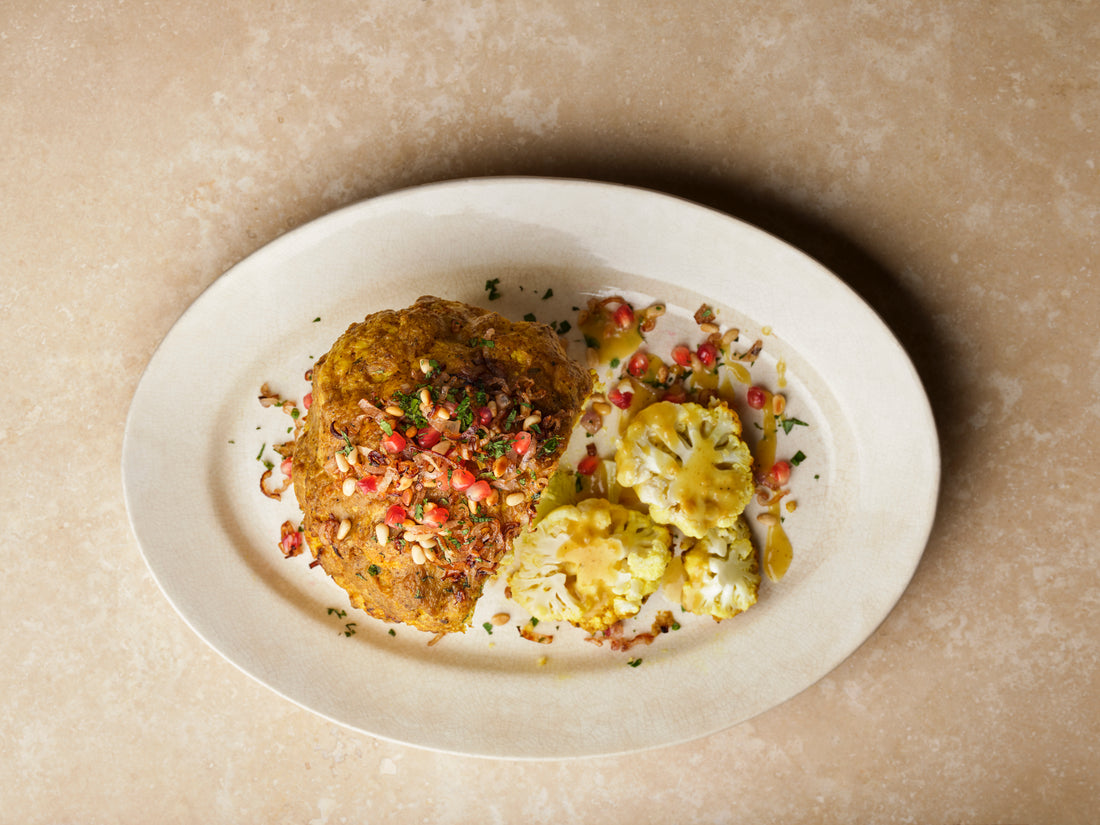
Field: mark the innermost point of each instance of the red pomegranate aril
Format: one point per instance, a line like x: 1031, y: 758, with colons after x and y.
x: 522, y: 442
x: 287, y: 466
x: 587, y: 465
x: 620, y: 399
x: 368, y: 484
x: 756, y: 398
x: 394, y: 443
x: 681, y: 355
x: 675, y: 395
x: 484, y: 416
x: 708, y: 354
x: 395, y: 515
x: 307, y: 400
x: 461, y: 479
x: 623, y: 316
x: 478, y: 491
x: 638, y: 364
x: 781, y: 472
x: 427, y: 437
x: 436, y: 515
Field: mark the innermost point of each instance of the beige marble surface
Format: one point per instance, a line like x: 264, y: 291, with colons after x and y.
x: 940, y: 157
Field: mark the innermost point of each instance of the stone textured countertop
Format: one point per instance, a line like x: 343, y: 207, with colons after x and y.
x: 941, y: 158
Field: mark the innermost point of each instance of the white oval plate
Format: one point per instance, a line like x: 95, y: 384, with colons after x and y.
x: 866, y: 492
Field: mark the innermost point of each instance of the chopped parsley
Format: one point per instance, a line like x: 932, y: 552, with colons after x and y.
x: 482, y: 342
x: 530, y: 316
x: 491, y: 288
x: 317, y: 319
x: 465, y: 414
x: 591, y: 342
x: 789, y: 424
x: 634, y: 662
x: 488, y: 628
x: 550, y: 445
x: 374, y: 569
x: 615, y: 362
x: 392, y: 632
x: 386, y: 427
x: 337, y: 612
x: 349, y: 629
x: 548, y: 294
x: 798, y: 458
x: 410, y: 405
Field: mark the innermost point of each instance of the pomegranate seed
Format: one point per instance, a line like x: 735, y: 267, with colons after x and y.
x: 676, y: 395
x: 708, y: 354
x: 522, y: 442
x: 478, y: 491
x: 368, y: 484
x: 587, y: 465
x: 623, y: 316
x: 287, y: 466
x: 427, y: 437
x: 437, y: 516
x: 781, y: 472
x: 638, y: 364
x: 756, y: 398
x: 681, y: 355
x: 620, y: 399
x: 394, y: 443
x: 307, y: 400
x: 395, y: 515
x: 484, y: 416
x: 461, y: 478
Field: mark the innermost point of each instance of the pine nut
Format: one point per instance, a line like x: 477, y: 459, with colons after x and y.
x: 417, y: 552
x: 425, y: 396
x: 349, y: 486
x: 341, y: 462
x: 395, y: 411
x: 709, y: 329
x: 404, y: 484
x: 425, y: 366
x: 515, y: 499
x: 768, y: 519
x: 353, y: 456
x: 345, y: 528
x: 382, y: 533
x: 602, y: 407
x: 779, y: 403
x: 500, y: 619
x: 531, y: 420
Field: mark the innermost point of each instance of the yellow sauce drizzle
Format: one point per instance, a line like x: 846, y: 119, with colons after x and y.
x: 611, y: 342
x: 777, y: 547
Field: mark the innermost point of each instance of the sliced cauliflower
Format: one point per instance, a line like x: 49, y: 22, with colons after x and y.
x: 590, y: 564
x: 689, y: 464
x: 720, y: 572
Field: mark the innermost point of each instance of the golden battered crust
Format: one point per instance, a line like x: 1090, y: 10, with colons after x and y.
x: 431, y: 433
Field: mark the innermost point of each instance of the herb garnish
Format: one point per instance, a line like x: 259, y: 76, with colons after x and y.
x: 374, y: 569
x: 488, y: 628
x: 634, y: 662
x: 491, y: 288
x: 530, y: 316
x: 548, y: 294
x: 798, y: 458
x: 464, y: 414
x: 789, y: 424
x: 410, y: 404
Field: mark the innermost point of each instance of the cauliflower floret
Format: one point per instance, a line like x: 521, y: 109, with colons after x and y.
x: 689, y: 464
x: 590, y: 564
x: 720, y: 572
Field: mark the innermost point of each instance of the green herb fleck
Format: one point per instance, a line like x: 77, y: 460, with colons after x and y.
x: 615, y: 362
x: 548, y: 294
x: 392, y: 632
x: 410, y: 405
x: 374, y: 569
x: 634, y: 662
x: 465, y: 414
x: 530, y: 316
x: 260, y: 454
x: 418, y: 511
x: 349, y: 629
x: 534, y: 621
x: 335, y: 611
x: 294, y: 413
x: 386, y: 427
x: 564, y: 327
x: 488, y: 628
x: 591, y: 342
x: 317, y: 319
x: 798, y: 458
x: 491, y: 288
x: 551, y: 445
x: 482, y: 342
x: 789, y: 424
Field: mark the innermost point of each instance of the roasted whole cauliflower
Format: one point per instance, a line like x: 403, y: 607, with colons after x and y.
x: 688, y: 464
x: 720, y: 572
x: 590, y: 564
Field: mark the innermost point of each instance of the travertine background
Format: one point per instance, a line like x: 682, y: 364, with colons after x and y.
x: 941, y: 157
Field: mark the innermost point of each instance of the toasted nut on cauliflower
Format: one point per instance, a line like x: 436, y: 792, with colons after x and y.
x: 590, y: 564
x: 689, y: 464
x: 721, y: 573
